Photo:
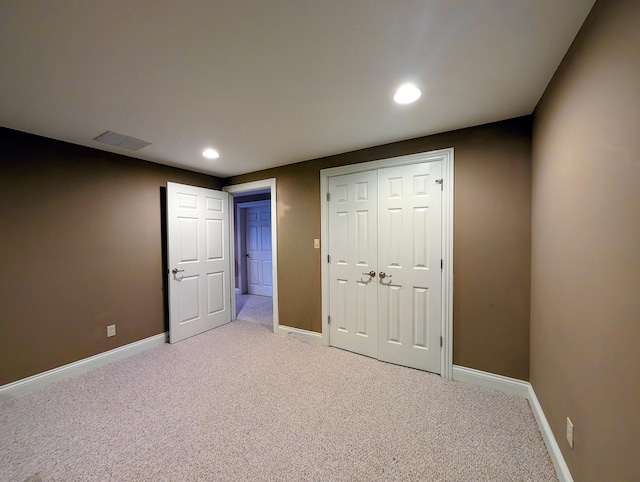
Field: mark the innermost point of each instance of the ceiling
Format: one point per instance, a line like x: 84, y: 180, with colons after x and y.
x: 269, y: 83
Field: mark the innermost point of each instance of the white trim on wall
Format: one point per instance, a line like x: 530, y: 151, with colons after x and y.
x: 562, y: 469
x: 522, y: 389
x: 248, y: 187
x: 444, y: 155
x: 512, y: 386
x: 302, y: 335
x: 26, y: 385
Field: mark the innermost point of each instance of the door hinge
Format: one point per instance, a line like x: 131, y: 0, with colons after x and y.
x: 329, y: 258
x: 441, y: 264
x: 328, y: 196
x: 329, y: 320
x: 440, y: 342
x: 439, y: 181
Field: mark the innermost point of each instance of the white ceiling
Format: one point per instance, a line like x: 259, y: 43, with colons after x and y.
x: 272, y: 82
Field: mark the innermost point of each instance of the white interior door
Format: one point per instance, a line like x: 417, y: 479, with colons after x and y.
x: 199, y: 263
x: 258, y: 246
x: 388, y: 222
x: 409, y: 256
x: 352, y: 241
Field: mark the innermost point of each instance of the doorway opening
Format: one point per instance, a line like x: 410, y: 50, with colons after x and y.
x: 255, y: 253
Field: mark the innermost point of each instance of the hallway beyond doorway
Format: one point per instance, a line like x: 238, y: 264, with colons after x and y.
x: 256, y: 309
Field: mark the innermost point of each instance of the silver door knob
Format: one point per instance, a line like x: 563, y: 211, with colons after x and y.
x: 176, y: 270
x: 371, y: 273
x: 383, y: 275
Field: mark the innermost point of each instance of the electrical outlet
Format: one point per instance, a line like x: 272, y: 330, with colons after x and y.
x: 111, y: 330
x: 570, y: 432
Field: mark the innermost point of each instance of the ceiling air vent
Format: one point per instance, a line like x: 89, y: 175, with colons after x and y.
x: 122, y: 141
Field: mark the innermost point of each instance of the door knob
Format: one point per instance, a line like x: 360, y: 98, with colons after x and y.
x: 176, y: 270
x: 383, y: 275
x: 371, y: 273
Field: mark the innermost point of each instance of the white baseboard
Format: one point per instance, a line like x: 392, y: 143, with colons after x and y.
x: 303, y: 335
x: 26, y: 385
x: 512, y: 386
x: 238, y: 291
x: 562, y: 469
x: 522, y: 389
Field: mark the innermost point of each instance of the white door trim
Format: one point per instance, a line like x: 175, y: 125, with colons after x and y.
x: 245, y: 188
x: 444, y: 155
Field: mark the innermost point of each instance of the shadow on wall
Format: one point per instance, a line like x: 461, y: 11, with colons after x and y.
x: 165, y: 256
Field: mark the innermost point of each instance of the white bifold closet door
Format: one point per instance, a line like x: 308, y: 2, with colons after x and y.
x: 385, y: 245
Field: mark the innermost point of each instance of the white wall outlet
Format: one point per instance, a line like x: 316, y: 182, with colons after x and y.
x: 111, y: 330
x: 570, y: 432
x: 316, y: 243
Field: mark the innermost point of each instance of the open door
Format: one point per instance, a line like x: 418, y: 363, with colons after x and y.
x: 258, y: 249
x: 199, y: 260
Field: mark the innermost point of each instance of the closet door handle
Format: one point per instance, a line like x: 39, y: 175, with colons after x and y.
x: 371, y: 273
x: 383, y: 275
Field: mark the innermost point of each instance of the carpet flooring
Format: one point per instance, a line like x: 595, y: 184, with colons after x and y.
x: 240, y: 403
x: 254, y: 308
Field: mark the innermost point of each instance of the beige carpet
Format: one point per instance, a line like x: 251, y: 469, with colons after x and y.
x: 239, y: 403
x: 254, y: 308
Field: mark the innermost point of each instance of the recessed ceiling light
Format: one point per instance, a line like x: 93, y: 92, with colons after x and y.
x: 406, y: 94
x: 210, y: 153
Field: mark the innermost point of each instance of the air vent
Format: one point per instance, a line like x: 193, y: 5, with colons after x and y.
x: 122, y: 141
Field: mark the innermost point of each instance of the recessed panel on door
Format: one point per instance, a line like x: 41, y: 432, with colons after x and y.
x: 362, y: 238
x: 362, y: 191
x: 395, y: 235
x: 393, y: 313
x: 341, y: 236
x: 267, y: 277
x: 215, y: 239
x: 420, y: 330
x: 215, y: 293
x: 254, y: 271
x: 420, y: 185
x: 189, y: 299
x: 214, y: 205
x: 187, y: 201
x: 342, y: 300
x: 265, y: 237
x: 363, y: 315
x: 421, y: 238
x: 187, y: 239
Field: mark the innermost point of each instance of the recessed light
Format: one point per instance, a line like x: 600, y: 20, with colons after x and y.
x: 406, y: 94
x: 210, y: 153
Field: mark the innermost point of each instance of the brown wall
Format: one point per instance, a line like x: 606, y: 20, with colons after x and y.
x: 492, y: 239
x: 585, y: 314
x: 81, y: 248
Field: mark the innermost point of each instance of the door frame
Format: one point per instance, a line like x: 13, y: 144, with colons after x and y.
x: 245, y: 188
x: 444, y: 155
x: 240, y: 235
